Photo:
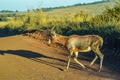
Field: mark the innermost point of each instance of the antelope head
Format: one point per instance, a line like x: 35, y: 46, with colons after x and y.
x: 52, y: 36
x: 55, y: 38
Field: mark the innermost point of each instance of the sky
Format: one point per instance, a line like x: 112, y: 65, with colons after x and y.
x: 23, y: 5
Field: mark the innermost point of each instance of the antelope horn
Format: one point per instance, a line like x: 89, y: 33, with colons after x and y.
x: 53, y: 30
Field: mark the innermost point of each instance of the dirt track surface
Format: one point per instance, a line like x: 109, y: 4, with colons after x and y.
x: 24, y: 58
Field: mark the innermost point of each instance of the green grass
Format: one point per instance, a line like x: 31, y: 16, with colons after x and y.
x: 81, y: 20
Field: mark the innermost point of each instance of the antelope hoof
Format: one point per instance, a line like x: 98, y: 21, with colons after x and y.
x: 64, y: 69
x: 91, y: 65
x: 99, y: 70
x: 48, y: 44
x: 85, y: 68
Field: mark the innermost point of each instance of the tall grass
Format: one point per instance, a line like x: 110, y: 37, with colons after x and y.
x: 106, y: 24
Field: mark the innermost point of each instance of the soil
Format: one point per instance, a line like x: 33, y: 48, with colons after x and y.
x: 25, y: 58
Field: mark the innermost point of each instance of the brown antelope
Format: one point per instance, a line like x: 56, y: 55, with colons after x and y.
x: 76, y: 44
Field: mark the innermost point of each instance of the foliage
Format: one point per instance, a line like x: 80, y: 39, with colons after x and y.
x: 106, y: 24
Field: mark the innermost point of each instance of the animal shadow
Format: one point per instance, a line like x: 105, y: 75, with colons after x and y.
x: 33, y: 56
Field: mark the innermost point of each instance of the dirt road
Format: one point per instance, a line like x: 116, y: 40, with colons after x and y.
x: 24, y: 58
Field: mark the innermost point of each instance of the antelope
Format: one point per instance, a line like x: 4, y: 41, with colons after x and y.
x: 75, y: 44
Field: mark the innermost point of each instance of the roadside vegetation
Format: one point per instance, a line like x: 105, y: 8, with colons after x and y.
x: 106, y: 24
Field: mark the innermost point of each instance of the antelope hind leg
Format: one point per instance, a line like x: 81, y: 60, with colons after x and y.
x: 93, y: 61
x: 75, y: 59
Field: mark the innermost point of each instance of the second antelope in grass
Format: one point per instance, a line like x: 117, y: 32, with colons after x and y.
x: 76, y: 44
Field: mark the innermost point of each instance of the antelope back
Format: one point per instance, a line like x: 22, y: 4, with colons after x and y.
x: 83, y: 43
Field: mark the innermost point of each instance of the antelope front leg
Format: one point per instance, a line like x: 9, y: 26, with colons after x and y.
x: 69, y: 59
x: 68, y: 64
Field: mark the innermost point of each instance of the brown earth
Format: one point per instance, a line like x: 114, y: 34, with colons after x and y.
x: 25, y: 58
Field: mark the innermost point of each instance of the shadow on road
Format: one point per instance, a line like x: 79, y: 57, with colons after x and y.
x: 37, y: 57
x: 33, y: 56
